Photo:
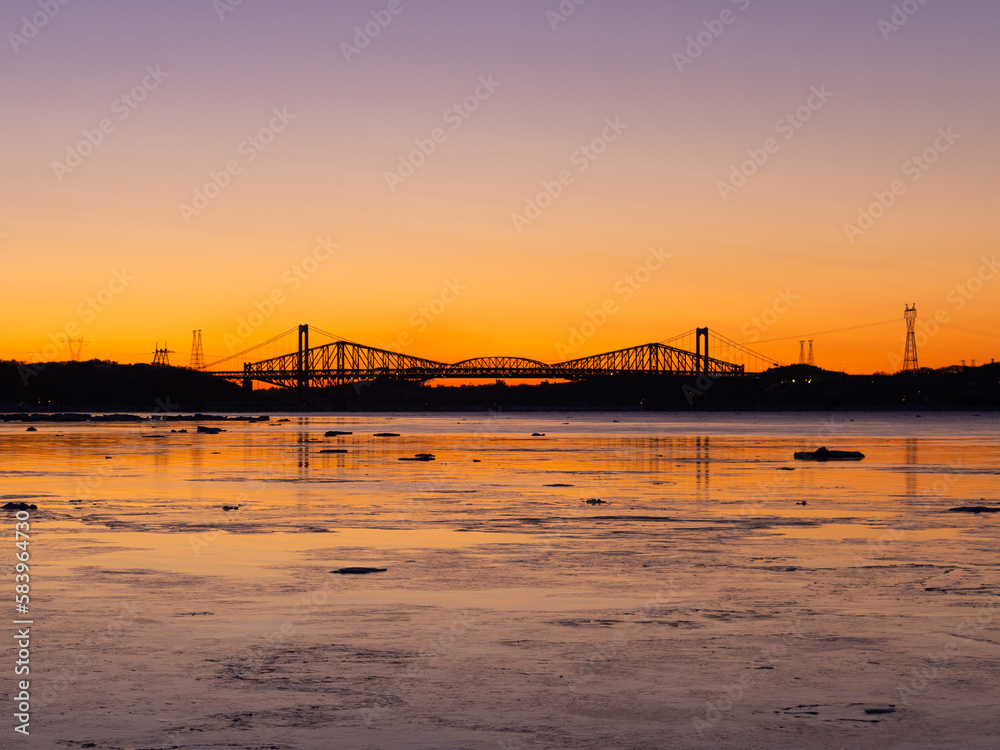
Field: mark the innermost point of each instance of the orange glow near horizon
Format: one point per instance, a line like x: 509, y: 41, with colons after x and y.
x: 437, y: 263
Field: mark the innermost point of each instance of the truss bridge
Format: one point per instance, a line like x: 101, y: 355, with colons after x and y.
x: 336, y: 362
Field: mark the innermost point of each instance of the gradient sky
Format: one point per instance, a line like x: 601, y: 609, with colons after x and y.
x: 521, y: 289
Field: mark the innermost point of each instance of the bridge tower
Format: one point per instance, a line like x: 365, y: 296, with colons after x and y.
x: 303, y: 359
x: 802, y: 352
x: 701, y: 349
x: 910, y: 354
x: 812, y: 359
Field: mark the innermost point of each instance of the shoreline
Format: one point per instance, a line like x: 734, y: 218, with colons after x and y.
x: 265, y: 415
x: 91, y: 387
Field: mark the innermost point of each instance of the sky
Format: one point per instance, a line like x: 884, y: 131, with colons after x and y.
x: 463, y: 178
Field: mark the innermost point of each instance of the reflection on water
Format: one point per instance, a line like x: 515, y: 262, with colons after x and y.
x: 910, y: 445
x: 493, y: 475
x: 184, y: 582
x: 702, y: 458
x: 254, y: 555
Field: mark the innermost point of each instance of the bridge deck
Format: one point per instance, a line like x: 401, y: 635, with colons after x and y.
x: 343, y: 362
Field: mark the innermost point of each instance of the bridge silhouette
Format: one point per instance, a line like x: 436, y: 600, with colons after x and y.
x: 339, y: 362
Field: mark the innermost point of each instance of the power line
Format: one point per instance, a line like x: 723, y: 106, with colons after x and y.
x: 971, y: 330
x: 823, y: 333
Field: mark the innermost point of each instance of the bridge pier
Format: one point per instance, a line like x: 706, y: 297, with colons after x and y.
x: 247, y: 380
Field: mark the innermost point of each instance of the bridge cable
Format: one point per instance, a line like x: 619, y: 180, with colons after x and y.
x: 253, y: 348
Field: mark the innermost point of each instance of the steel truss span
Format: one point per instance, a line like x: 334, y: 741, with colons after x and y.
x: 343, y: 362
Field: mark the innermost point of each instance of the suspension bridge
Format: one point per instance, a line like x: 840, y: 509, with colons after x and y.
x: 307, y: 357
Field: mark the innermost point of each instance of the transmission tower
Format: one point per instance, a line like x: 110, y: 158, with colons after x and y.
x: 161, y: 357
x: 910, y: 353
x: 76, y: 348
x: 197, y: 352
x: 812, y: 359
x: 802, y: 352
